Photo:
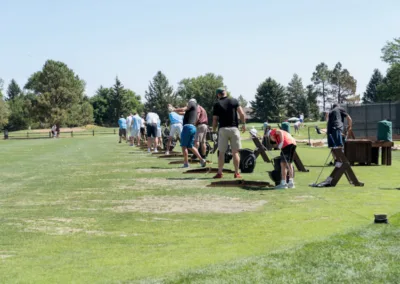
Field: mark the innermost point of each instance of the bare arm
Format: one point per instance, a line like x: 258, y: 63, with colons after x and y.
x: 215, y: 123
x: 242, y: 118
x: 349, y: 122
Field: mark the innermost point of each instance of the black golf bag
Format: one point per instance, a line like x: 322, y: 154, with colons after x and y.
x: 275, y: 175
x: 247, y: 160
x: 208, y: 149
x: 165, y: 137
x: 228, y: 155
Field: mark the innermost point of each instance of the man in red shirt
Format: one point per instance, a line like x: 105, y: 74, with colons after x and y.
x: 287, y: 145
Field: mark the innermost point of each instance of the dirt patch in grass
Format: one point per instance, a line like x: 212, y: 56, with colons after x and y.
x: 301, y: 198
x: 187, y: 204
x: 57, y: 226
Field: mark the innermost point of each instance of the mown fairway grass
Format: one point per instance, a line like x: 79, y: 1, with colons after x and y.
x: 90, y: 210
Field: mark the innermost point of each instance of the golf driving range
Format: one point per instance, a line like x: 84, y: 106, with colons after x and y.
x: 91, y: 210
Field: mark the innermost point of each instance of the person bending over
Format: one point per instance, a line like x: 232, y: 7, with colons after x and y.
x: 287, y: 145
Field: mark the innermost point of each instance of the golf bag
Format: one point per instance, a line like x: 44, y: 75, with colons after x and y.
x: 228, y: 155
x: 275, y: 175
x: 208, y: 149
x: 165, y: 143
x: 247, y: 161
x: 165, y: 137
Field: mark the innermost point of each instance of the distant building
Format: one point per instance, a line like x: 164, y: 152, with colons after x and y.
x: 248, y: 112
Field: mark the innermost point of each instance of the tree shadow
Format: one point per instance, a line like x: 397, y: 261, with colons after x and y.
x: 190, y: 178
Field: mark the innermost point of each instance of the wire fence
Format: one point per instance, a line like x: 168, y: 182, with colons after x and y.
x: 63, y: 134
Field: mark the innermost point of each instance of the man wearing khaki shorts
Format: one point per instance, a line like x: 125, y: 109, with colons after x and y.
x: 225, y: 115
x: 201, y: 131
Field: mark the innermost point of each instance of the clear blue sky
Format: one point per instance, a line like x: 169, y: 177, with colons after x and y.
x: 244, y: 41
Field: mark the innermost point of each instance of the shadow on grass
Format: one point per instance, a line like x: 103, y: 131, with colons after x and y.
x: 191, y: 178
x: 389, y: 188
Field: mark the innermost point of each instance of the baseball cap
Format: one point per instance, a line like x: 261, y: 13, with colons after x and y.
x: 220, y: 90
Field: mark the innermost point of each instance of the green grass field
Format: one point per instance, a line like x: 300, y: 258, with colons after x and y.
x: 90, y: 210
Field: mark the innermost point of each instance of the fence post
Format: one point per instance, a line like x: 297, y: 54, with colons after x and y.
x: 114, y: 131
x: 27, y: 134
x: 72, y: 133
x: 49, y: 134
x: 93, y: 132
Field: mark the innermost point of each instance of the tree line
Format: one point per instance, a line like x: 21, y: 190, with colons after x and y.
x: 56, y: 95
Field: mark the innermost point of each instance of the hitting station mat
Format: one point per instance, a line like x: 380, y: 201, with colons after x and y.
x: 240, y: 183
x: 207, y: 170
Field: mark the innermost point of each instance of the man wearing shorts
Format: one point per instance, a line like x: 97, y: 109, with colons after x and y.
x: 128, y: 129
x: 225, y: 114
x: 189, y: 131
x: 201, y: 130
x: 287, y: 145
x: 152, y: 120
x: 335, y: 126
x: 122, y: 128
x: 176, y: 121
x: 135, y: 129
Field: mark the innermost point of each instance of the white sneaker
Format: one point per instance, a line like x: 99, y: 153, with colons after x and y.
x: 281, y: 186
x: 167, y: 153
x: 155, y: 150
x: 291, y: 185
x: 148, y: 150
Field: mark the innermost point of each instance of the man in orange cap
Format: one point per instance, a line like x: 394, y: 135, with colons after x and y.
x: 287, y: 145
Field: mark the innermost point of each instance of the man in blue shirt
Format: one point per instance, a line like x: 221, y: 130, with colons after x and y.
x: 122, y: 128
x: 176, y: 121
x: 135, y: 129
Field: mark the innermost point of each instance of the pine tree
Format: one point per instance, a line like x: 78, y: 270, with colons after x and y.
x: 13, y: 90
x: 296, y: 101
x: 159, y: 95
x: 269, y: 103
x: 312, y: 102
x: 371, y: 93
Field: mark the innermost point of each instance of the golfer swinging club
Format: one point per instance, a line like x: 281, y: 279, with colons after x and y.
x: 189, y: 132
x: 287, y: 145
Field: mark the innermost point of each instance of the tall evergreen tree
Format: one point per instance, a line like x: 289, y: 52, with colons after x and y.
x: 269, y: 103
x: 371, y: 93
x: 320, y: 78
x: 13, y: 90
x: 159, y: 95
x: 312, y: 101
x: 296, y: 100
x: 389, y: 89
x: 342, y: 83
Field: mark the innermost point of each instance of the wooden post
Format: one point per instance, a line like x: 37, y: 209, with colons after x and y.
x: 72, y: 133
x: 114, y: 131
x: 27, y: 134
x: 93, y: 132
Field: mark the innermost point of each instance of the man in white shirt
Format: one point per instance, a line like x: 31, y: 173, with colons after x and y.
x: 128, y: 125
x: 152, y: 121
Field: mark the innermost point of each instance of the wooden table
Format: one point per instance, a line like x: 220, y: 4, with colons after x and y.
x: 364, y: 151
